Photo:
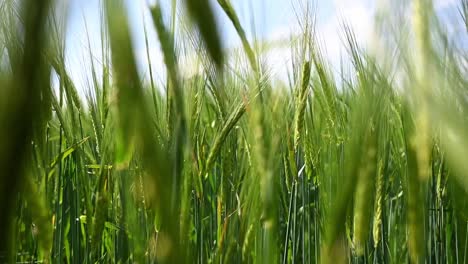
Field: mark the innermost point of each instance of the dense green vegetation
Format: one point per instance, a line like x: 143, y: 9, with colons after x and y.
x: 229, y: 166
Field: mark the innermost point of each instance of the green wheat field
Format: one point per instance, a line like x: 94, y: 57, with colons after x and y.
x: 363, y: 164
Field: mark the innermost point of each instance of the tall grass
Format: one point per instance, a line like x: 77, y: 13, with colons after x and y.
x: 228, y: 166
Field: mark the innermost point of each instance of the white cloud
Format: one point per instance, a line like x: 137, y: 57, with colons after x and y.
x: 358, y: 15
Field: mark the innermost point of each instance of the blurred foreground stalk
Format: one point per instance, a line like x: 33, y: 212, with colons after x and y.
x: 23, y: 112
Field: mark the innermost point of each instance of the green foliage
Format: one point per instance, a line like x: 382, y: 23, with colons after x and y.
x: 229, y: 166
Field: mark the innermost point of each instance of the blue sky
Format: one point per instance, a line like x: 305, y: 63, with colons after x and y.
x: 274, y: 19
